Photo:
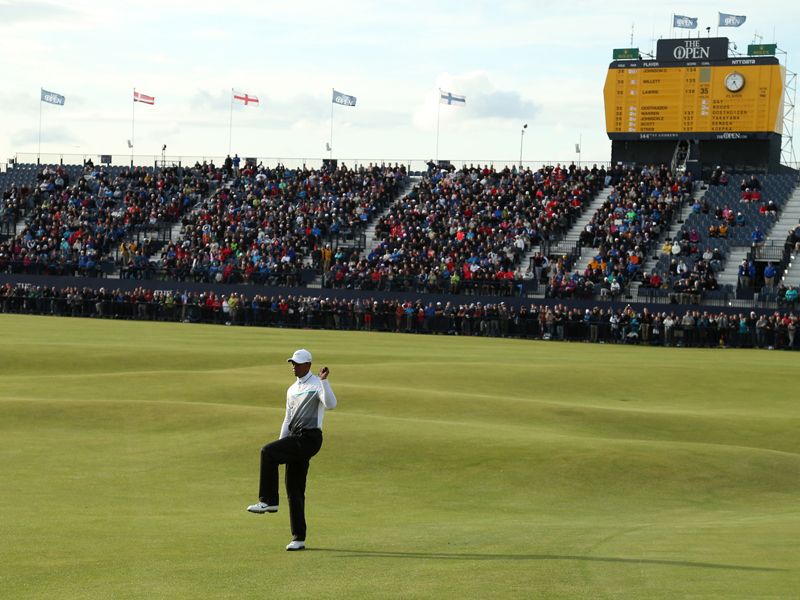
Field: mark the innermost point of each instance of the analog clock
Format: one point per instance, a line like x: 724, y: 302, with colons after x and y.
x: 734, y: 82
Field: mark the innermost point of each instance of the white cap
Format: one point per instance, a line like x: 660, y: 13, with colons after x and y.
x: 300, y: 356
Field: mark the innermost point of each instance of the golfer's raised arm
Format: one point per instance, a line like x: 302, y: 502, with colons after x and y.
x: 328, y: 397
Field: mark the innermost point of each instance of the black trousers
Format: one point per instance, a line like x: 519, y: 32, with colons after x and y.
x: 295, y: 450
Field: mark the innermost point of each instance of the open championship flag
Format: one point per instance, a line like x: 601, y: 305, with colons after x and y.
x: 52, y: 98
x: 343, y: 99
x: 246, y: 99
x: 451, y: 99
x: 144, y: 98
x: 726, y: 20
x: 683, y: 22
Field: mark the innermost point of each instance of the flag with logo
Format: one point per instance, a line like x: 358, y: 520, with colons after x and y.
x: 246, y: 99
x: 343, y: 99
x: 684, y: 22
x: 143, y: 98
x: 726, y: 20
x: 52, y: 98
x: 451, y: 99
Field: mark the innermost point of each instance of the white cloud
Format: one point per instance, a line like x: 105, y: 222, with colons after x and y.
x: 16, y: 12
x: 483, y: 102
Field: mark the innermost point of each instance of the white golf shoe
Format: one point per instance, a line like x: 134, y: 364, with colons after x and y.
x: 261, y: 508
x: 296, y: 545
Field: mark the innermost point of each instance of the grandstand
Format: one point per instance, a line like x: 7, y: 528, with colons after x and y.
x: 553, y: 232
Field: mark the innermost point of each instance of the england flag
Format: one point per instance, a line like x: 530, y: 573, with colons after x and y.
x: 246, y: 99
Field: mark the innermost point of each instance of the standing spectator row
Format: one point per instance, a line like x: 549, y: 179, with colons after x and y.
x: 612, y: 324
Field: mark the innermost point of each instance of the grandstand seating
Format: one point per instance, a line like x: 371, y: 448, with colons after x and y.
x: 625, y: 229
x: 458, y: 231
x: 263, y: 223
x: 695, y: 237
x: 466, y: 230
x: 76, y: 215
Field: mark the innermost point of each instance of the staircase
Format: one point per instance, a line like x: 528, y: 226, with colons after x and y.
x: 790, y: 216
x: 652, y: 257
x: 573, y: 236
x: 371, y: 239
x: 729, y: 273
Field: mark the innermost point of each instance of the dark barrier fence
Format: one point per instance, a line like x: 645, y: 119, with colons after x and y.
x: 350, y: 310
x: 250, y: 290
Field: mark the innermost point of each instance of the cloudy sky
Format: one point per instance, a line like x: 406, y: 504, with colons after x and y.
x: 540, y: 63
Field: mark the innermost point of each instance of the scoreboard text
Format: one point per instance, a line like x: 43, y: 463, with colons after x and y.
x: 725, y: 99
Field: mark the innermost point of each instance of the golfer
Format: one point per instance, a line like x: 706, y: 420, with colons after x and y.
x: 300, y: 439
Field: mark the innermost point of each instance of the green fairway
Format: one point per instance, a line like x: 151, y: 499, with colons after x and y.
x: 452, y: 468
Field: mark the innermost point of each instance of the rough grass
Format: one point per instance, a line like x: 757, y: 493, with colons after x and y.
x: 454, y: 467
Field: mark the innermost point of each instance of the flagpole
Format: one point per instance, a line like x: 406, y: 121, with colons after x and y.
x: 230, y: 125
x: 39, y: 152
x: 438, y: 114
x: 133, y: 123
x: 330, y: 150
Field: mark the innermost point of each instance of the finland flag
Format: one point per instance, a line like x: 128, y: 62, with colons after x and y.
x: 451, y: 99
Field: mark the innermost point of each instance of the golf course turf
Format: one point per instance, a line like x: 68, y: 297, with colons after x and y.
x: 452, y: 468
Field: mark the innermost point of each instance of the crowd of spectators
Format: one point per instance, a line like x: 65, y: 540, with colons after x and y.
x: 262, y: 223
x: 465, y: 230
x: 460, y: 231
x: 13, y: 201
x: 71, y: 226
x: 610, y: 324
x: 624, y: 230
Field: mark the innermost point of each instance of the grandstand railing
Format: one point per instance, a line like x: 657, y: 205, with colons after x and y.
x: 414, y: 165
x: 8, y: 227
x: 67, y: 268
x: 771, y: 251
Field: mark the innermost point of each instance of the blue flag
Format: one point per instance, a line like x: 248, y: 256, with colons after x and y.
x: 726, y: 20
x: 684, y: 22
x: 343, y: 99
x: 52, y: 98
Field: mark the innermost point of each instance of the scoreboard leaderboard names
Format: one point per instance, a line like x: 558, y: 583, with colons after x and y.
x: 738, y: 97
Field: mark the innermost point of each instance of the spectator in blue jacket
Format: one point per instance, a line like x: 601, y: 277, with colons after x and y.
x: 757, y: 237
x: 769, y: 275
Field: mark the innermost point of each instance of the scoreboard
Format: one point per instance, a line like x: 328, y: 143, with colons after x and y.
x: 728, y: 98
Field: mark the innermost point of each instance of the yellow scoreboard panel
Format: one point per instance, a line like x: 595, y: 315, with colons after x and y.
x: 741, y: 98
